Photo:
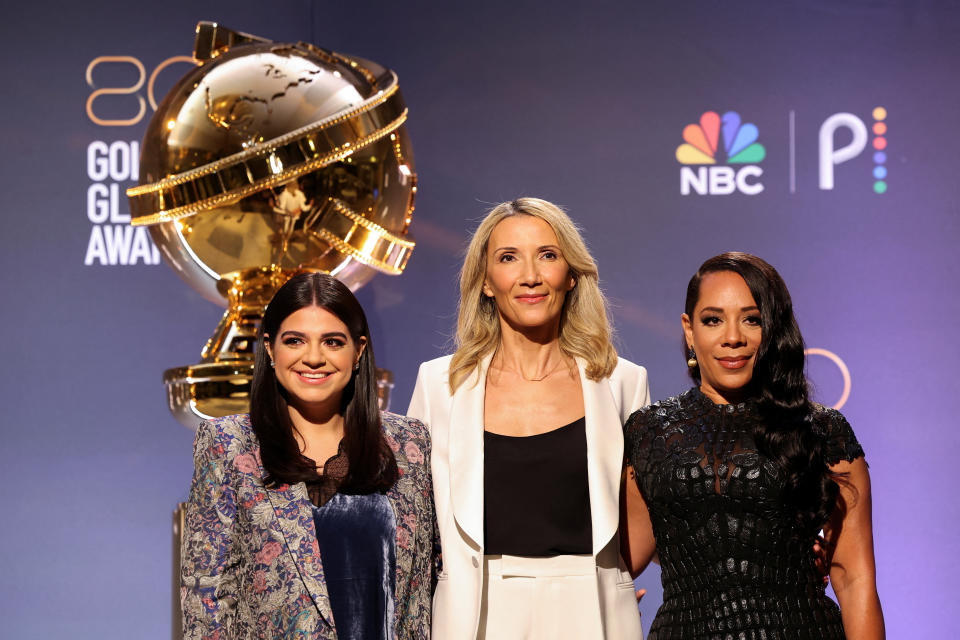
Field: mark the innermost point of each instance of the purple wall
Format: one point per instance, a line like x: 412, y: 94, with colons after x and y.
x: 584, y: 106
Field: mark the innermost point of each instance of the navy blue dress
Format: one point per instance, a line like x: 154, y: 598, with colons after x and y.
x: 357, y: 537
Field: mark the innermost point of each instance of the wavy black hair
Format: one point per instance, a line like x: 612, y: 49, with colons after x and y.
x: 372, y: 466
x: 785, y: 434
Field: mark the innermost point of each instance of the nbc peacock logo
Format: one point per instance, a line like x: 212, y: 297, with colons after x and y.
x: 725, y: 135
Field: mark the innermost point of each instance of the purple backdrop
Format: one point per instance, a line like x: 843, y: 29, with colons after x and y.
x: 583, y: 105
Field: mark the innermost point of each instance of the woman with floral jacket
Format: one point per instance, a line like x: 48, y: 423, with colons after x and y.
x: 312, y: 517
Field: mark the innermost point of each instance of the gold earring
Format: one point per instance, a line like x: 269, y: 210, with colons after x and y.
x: 692, y: 360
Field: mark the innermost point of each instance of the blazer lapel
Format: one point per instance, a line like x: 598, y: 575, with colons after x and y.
x: 466, y: 452
x: 294, y: 513
x: 604, y: 457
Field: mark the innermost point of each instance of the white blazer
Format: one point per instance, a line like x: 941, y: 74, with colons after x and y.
x: 456, y: 429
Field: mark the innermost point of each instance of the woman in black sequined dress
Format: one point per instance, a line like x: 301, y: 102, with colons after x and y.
x: 730, y: 482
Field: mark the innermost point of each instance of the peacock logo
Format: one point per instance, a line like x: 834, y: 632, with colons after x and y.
x: 739, y: 140
x: 701, y: 146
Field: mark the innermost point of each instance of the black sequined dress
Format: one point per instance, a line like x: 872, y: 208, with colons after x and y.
x: 732, y: 563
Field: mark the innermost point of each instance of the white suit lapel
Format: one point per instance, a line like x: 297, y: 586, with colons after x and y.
x: 604, y: 457
x: 466, y: 453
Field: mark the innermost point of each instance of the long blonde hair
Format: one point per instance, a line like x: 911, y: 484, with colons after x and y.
x: 585, y: 331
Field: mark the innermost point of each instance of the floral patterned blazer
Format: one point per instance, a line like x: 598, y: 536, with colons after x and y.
x: 250, y: 565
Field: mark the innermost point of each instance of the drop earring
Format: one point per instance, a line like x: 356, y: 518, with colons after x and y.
x: 692, y: 360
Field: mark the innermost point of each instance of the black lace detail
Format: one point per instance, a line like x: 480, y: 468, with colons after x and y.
x: 328, y: 481
x: 841, y: 442
x: 732, y: 563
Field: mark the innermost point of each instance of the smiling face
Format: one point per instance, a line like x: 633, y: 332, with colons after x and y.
x: 313, y: 357
x: 724, y: 331
x: 526, y: 274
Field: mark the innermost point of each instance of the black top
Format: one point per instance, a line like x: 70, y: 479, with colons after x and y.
x: 328, y: 482
x: 536, y: 495
x: 733, y: 562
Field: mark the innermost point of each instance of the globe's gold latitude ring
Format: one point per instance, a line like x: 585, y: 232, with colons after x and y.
x: 363, y: 239
x: 270, y: 163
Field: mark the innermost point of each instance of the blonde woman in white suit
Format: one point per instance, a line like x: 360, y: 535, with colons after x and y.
x: 526, y: 422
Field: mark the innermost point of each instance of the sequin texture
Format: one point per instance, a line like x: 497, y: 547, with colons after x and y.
x: 732, y: 563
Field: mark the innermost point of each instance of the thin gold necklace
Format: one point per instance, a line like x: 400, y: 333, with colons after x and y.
x: 544, y: 376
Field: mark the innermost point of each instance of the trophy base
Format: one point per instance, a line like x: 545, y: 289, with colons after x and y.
x: 214, y: 389
x: 208, y: 390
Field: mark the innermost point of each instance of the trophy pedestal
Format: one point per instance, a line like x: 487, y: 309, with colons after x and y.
x: 220, y: 384
x: 213, y: 389
x: 208, y: 390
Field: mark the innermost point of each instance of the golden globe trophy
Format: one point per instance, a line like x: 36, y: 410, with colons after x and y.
x: 265, y: 160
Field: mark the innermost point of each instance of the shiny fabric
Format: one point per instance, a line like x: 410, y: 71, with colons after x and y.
x: 733, y: 563
x: 356, y: 536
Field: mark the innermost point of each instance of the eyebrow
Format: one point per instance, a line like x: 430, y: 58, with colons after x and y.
x: 540, y: 248
x: 719, y: 310
x: 300, y: 334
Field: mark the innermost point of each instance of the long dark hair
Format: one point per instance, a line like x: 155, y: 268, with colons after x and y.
x: 372, y: 464
x: 785, y: 433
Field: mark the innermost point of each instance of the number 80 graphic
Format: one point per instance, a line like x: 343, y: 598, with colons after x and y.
x: 129, y: 90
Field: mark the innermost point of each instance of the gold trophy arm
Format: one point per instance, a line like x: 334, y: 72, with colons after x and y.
x: 213, y: 38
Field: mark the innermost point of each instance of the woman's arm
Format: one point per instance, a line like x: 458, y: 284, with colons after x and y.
x: 420, y: 409
x: 637, y: 544
x: 436, y: 557
x: 208, y: 593
x: 853, y: 570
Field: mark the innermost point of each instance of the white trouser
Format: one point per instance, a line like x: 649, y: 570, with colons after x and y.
x: 540, y: 598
